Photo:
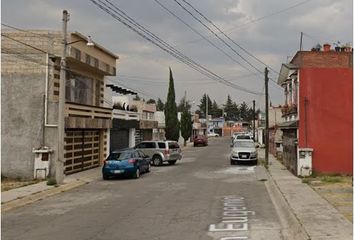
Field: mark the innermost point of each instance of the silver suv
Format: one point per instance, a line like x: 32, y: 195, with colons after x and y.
x: 161, y: 151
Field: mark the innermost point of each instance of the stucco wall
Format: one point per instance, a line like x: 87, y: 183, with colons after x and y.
x: 328, y: 118
x: 22, y: 109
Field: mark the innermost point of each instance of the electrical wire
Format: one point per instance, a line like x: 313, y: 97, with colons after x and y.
x: 122, y: 17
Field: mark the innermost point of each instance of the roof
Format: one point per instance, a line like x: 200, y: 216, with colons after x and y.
x: 288, y: 125
x: 96, y: 45
x: 284, y: 72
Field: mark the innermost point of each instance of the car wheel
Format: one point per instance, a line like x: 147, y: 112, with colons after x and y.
x: 157, y: 160
x: 232, y: 162
x: 148, y: 168
x: 137, y: 173
x: 172, y: 162
x: 105, y: 177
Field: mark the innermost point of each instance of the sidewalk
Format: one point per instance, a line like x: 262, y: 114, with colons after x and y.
x: 25, y: 195
x: 309, y: 215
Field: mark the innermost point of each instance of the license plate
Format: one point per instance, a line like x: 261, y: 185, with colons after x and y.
x: 244, y: 156
x: 118, y: 171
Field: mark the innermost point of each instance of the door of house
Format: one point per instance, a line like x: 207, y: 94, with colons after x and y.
x: 81, y: 150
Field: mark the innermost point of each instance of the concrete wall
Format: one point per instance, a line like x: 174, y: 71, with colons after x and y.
x: 22, y: 110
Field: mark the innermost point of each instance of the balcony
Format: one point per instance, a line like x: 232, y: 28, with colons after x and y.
x: 87, y: 117
x: 289, y: 109
x: 125, y: 115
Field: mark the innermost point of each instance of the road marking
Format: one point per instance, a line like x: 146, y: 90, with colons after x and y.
x: 234, y: 219
x: 237, y: 170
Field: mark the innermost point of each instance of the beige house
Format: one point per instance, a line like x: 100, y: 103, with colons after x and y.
x: 30, y: 94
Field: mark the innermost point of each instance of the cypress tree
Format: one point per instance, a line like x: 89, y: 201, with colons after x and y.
x: 186, y: 125
x: 171, y: 119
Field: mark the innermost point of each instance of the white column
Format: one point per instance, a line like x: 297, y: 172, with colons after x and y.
x: 131, y: 137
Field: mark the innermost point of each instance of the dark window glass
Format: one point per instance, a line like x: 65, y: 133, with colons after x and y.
x: 162, y: 145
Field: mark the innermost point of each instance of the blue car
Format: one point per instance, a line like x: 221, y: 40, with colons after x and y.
x: 126, y: 162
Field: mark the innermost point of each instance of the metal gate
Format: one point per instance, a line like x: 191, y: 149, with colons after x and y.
x: 119, y: 139
x: 81, y: 150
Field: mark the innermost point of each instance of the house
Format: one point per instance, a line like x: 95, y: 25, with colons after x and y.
x: 275, y: 133
x: 216, y: 125
x: 125, y: 118
x: 30, y: 95
x: 318, y: 112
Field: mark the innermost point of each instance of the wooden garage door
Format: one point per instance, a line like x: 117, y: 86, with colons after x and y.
x: 81, y: 150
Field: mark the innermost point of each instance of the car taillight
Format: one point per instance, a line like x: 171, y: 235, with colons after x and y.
x: 132, y: 161
x: 104, y: 162
x: 167, y: 152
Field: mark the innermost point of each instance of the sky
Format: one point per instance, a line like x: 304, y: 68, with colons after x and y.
x: 259, y: 34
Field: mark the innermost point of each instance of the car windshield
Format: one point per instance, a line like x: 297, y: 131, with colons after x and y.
x: 244, y: 144
x: 119, y: 155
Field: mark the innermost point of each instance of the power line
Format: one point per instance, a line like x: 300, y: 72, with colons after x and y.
x: 224, y: 34
x: 195, y: 31
x: 122, y: 17
x: 215, y: 34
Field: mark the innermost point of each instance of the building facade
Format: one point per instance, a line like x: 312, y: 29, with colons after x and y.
x: 319, y: 110
x: 30, y: 95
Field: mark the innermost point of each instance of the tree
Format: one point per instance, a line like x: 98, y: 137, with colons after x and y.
x: 231, y: 109
x: 202, y: 105
x: 151, y: 101
x: 171, y: 120
x: 215, y: 111
x: 183, y: 105
x: 160, y: 106
x: 186, y: 125
x: 243, y: 112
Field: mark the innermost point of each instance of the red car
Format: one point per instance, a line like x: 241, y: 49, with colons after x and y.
x: 200, y: 140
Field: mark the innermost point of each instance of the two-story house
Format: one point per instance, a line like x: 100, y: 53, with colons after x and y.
x: 318, y: 110
x: 30, y: 95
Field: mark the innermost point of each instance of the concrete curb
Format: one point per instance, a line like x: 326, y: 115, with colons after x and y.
x: 41, y: 195
x: 292, y: 229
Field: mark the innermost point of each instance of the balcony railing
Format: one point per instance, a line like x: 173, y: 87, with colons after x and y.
x: 85, y: 111
x: 125, y: 115
x: 289, y: 109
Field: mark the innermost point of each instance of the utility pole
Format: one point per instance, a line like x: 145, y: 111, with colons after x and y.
x: 254, y: 120
x: 267, y: 118
x: 206, y: 115
x: 59, y: 165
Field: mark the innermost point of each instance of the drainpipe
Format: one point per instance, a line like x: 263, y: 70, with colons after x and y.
x: 46, y: 124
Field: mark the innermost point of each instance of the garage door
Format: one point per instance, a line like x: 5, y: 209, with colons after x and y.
x: 81, y: 150
x: 119, y: 139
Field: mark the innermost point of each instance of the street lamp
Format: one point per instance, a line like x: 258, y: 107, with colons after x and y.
x: 59, y: 165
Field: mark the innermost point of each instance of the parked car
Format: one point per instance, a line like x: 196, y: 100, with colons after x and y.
x: 161, y: 151
x: 126, y: 162
x: 213, y: 134
x: 243, y: 151
x: 200, y: 140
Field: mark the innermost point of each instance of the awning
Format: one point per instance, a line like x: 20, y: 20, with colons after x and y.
x: 288, y: 125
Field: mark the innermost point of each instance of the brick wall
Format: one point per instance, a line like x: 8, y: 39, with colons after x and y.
x: 323, y: 59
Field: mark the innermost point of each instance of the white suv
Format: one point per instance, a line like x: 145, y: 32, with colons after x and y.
x: 161, y: 151
x: 243, y: 150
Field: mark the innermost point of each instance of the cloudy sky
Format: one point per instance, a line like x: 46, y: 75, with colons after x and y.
x: 267, y: 29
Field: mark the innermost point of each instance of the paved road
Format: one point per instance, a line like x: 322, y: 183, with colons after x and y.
x: 187, y: 201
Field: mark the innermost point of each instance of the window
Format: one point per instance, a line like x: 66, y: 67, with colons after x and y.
x: 88, y: 59
x: 77, y: 53
x: 78, y: 89
x: 95, y: 62
x: 162, y: 145
x: 150, y: 145
x: 141, y: 154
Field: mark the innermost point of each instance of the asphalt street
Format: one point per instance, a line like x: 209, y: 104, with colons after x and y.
x: 201, y: 197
